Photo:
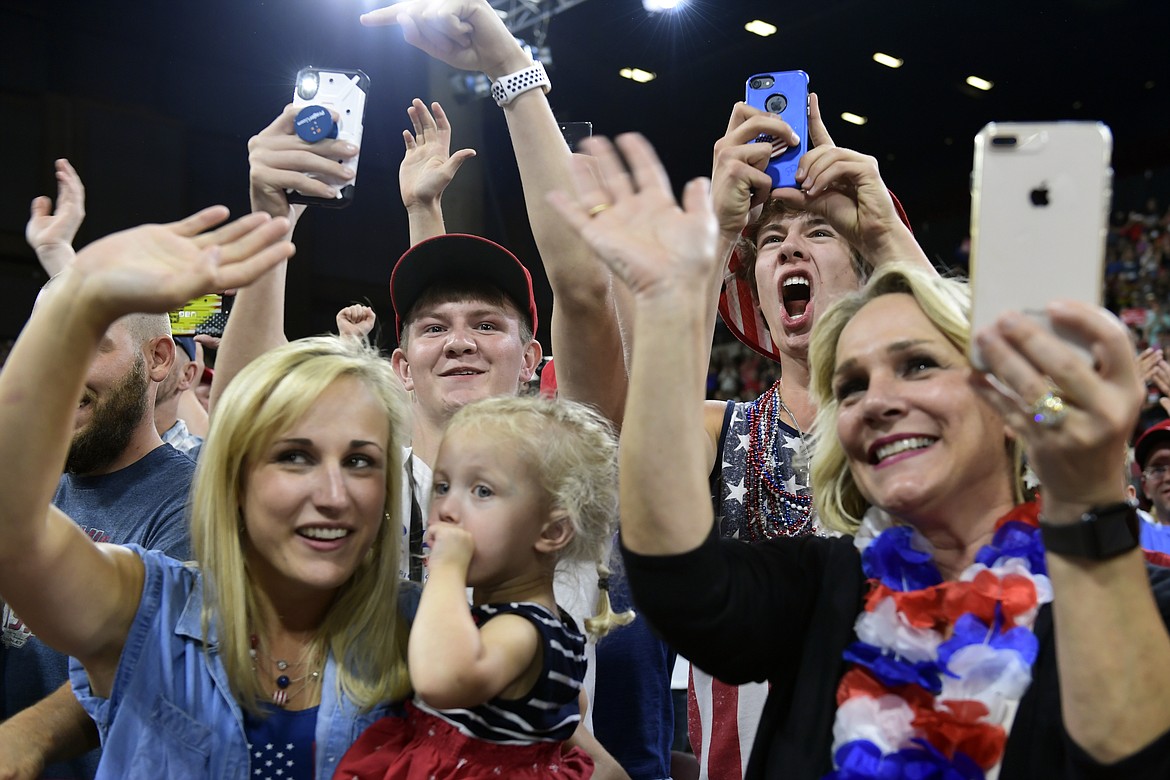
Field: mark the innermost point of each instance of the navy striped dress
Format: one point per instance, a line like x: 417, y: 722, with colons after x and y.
x: 549, y: 713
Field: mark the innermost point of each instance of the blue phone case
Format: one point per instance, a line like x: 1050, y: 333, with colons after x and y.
x: 784, y: 93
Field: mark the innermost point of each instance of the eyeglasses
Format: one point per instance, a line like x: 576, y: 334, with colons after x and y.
x: 1156, y: 472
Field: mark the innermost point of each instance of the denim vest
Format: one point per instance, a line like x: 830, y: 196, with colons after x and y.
x: 171, y: 713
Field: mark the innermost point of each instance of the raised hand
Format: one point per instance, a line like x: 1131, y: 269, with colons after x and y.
x: 845, y: 187
x: 1071, y: 455
x: 629, y: 216
x: 278, y: 160
x: 738, y: 181
x: 428, y: 165
x: 156, y: 268
x: 356, y: 321
x: 1154, y: 370
x: 465, y: 34
x: 50, y: 231
x: 449, y: 545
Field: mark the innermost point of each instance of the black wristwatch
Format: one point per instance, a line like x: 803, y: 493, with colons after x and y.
x: 1103, y: 532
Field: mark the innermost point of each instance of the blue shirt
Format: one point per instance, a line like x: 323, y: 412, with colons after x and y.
x: 171, y: 712
x: 1154, y: 535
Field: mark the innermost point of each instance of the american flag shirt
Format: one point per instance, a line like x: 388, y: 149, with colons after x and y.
x: 280, y: 744
x: 722, y: 719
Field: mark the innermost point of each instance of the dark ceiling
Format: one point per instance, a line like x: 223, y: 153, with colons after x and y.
x: 155, y: 102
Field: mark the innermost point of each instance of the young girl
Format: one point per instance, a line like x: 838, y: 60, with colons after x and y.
x: 520, y: 484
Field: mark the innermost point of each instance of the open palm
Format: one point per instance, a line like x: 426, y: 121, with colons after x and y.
x: 630, y: 218
x: 156, y: 268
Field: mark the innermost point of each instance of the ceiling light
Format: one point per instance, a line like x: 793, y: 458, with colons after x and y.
x: 637, y: 74
x: 887, y: 60
x: 760, y: 28
x: 657, y: 6
x: 979, y: 83
x: 853, y: 119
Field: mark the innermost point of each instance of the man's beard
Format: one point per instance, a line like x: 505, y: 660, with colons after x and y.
x: 112, y: 423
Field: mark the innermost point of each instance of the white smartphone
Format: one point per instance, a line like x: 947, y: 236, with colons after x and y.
x: 343, y: 91
x: 1040, y: 195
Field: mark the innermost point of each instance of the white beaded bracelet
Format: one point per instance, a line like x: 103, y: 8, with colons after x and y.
x: 508, y: 87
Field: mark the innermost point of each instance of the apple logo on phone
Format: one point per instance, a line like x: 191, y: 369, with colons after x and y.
x: 1039, y: 196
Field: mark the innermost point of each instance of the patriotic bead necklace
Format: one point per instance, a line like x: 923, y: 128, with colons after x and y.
x: 772, y: 511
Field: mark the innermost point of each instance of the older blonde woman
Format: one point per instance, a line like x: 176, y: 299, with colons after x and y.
x: 925, y: 645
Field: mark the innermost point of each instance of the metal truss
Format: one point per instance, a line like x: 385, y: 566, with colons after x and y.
x: 520, y: 15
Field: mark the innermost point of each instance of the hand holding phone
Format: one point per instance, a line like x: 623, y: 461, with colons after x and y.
x: 329, y: 92
x: 784, y: 93
x: 1039, y: 214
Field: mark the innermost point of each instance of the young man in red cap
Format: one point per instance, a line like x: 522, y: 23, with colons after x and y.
x: 1152, y: 452
x: 465, y: 316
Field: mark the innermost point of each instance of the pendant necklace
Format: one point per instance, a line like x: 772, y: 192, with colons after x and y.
x: 800, y: 456
x: 281, y: 695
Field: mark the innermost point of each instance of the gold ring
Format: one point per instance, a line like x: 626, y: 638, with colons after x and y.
x: 600, y: 207
x: 1049, y: 410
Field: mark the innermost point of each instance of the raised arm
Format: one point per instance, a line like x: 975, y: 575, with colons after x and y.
x: 427, y: 168
x: 77, y: 596
x: 356, y: 321
x: 454, y: 663
x: 50, y: 231
x: 278, y: 160
x: 739, y: 184
x: 1112, y: 646
x: 664, y: 255
x: 468, y: 34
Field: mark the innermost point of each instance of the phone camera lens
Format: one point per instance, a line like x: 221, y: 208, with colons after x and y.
x: 762, y: 82
x: 307, y: 86
x: 776, y: 104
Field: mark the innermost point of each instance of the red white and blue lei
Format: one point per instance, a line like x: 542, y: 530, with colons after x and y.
x: 939, y: 667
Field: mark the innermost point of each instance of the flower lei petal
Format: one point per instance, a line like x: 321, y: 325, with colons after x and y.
x: 959, y: 689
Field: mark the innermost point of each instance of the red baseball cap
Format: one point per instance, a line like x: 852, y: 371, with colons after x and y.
x: 1150, y: 439
x: 459, y: 258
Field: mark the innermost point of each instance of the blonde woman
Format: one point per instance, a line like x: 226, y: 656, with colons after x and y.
x: 284, y: 635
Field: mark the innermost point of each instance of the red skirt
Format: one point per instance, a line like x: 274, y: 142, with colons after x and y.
x: 421, y: 746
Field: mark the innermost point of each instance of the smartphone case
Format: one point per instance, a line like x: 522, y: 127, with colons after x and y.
x: 787, y: 96
x: 205, y: 314
x: 575, y: 132
x: 1040, y: 195
x: 345, y: 92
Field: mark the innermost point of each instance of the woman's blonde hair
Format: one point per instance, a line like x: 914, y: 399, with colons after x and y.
x: 571, y: 452
x: 946, y: 303
x: 362, y: 630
